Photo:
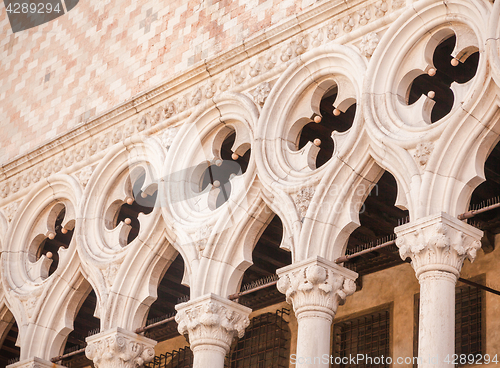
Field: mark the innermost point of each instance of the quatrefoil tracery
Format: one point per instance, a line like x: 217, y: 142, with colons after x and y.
x: 136, y: 198
x: 450, y: 63
x: 333, y: 107
x: 215, y: 177
x: 54, y: 231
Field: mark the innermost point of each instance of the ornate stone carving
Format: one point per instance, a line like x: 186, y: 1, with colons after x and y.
x: 226, y: 83
x: 368, y: 44
x: 119, y: 348
x: 364, y: 16
x: 196, y: 97
x: 423, y: 152
x: 34, y: 363
x: 261, y: 92
x: 84, y: 175
x: 201, y: 236
x: 303, y: 199
x: 332, y: 30
x: 239, y: 75
x: 169, y: 110
x: 212, y: 320
x: 210, y: 89
x: 348, y: 23
x: 168, y: 137
x: 4, y: 190
x: 380, y: 8
x: 10, y: 210
x: 438, y: 243
x: 316, y: 284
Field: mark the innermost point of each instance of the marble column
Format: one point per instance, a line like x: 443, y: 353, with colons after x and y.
x: 315, y: 287
x: 437, y: 246
x: 119, y: 348
x: 211, y: 323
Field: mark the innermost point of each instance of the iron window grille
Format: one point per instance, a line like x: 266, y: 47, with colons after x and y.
x: 182, y: 358
x: 266, y: 343
x: 468, y: 322
x: 367, y: 335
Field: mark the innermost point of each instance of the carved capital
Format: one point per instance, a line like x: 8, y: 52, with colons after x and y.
x: 212, y: 320
x: 34, y: 363
x: 119, y: 348
x: 316, y: 285
x: 438, y: 243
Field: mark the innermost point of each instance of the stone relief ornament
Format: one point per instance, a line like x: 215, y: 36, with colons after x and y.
x: 201, y: 236
x: 332, y: 30
x: 423, y: 152
x: 168, y: 137
x: 10, y: 210
x: 380, y: 8
x: 317, y: 283
x: 368, y: 44
x: 169, y: 110
x: 84, y: 175
x: 4, y: 190
x: 119, y: 348
x: 303, y: 199
x: 196, y: 97
x: 364, y: 16
x: 270, y: 61
x: 439, y: 242
x: 348, y: 23
x: 261, y: 92
x: 212, y: 318
x: 210, y: 90
x: 226, y: 83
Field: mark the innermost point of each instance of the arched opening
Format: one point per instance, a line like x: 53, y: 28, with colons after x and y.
x: 84, y: 325
x: 9, y: 352
x: 378, y: 217
x: 267, y: 257
x: 486, y: 196
x: 170, y: 292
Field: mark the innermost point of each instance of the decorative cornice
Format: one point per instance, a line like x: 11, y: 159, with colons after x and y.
x: 316, y: 284
x: 212, y: 320
x: 438, y: 243
x: 119, y: 348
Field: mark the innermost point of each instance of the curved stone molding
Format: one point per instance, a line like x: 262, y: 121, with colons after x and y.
x: 405, y: 52
x: 316, y: 285
x: 438, y: 243
x: 119, y: 348
x: 212, y: 320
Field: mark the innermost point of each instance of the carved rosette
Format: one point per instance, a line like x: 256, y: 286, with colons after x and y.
x: 316, y: 285
x: 212, y: 320
x: 119, y: 348
x: 438, y: 243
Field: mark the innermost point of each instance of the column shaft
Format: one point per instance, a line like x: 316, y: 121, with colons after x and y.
x: 436, y: 338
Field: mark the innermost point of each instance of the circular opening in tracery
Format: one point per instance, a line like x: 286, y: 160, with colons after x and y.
x: 436, y: 83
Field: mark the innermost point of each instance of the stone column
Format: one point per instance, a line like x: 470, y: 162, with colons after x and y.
x: 34, y: 363
x: 119, y: 348
x: 437, y: 246
x: 211, y: 323
x: 315, y: 287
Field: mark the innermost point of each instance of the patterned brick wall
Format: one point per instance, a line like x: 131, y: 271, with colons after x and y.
x: 58, y: 75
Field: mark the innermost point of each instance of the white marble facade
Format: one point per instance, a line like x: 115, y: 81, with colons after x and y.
x: 371, y: 51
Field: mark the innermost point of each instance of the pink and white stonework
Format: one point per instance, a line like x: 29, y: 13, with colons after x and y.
x: 115, y: 90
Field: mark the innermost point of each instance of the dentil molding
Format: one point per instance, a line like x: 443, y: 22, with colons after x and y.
x: 438, y: 243
x: 119, y: 348
x: 212, y: 320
